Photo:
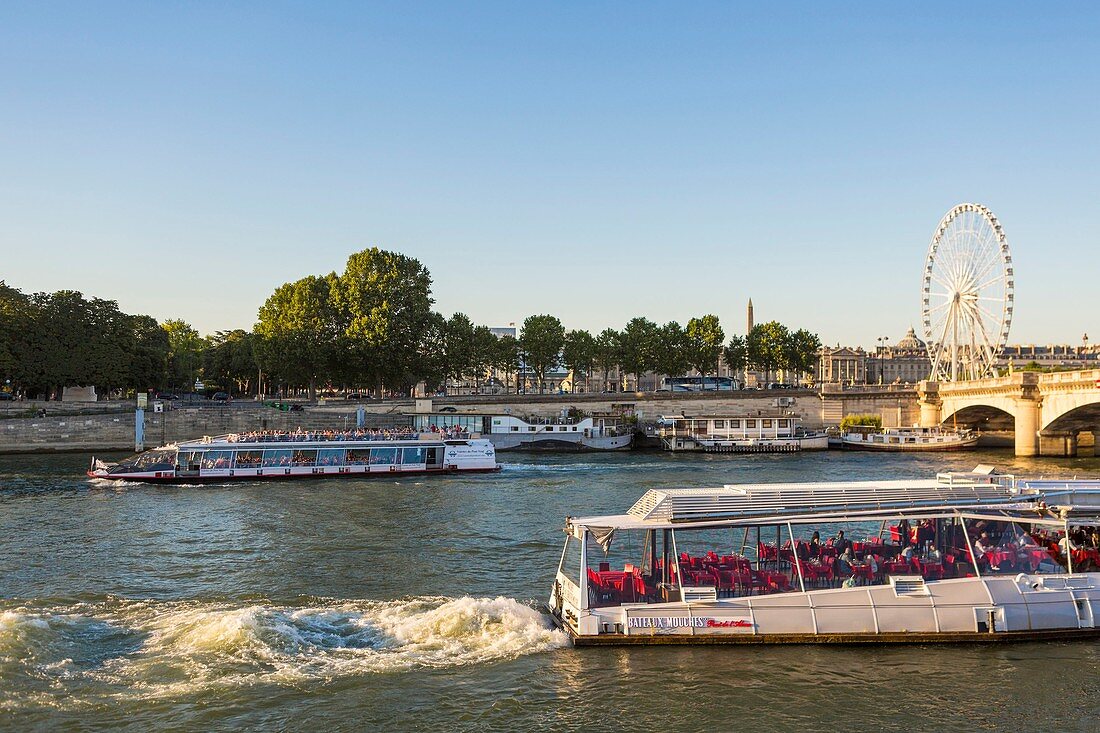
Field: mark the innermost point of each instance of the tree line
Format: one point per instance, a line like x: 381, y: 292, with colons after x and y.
x: 370, y: 326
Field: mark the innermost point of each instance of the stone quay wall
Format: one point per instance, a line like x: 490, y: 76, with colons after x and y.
x: 115, y: 430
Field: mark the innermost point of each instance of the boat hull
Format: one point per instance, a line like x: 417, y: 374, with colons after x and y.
x: 756, y: 445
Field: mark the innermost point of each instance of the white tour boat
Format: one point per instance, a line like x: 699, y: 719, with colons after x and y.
x: 268, y: 455
x: 913, y: 439
x: 963, y: 557
x: 508, y: 432
x: 728, y: 434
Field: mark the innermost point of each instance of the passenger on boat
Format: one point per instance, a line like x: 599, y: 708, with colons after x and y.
x: 904, y: 532
x: 815, y: 544
x: 842, y: 543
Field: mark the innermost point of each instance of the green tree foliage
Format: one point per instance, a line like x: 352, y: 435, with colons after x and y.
x: 607, y: 352
x: 801, y: 350
x: 736, y: 354
x: 506, y: 356
x: 52, y: 340
x: 772, y: 346
x: 672, y: 358
x: 298, y: 328
x: 184, y: 354
x: 229, y: 361
x: 639, y: 342
x: 705, y: 338
x: 385, y: 298
x: 542, y: 338
x: 458, y: 346
x: 482, y: 353
x: 579, y: 354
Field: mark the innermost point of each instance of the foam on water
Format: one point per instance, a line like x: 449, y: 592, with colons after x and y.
x: 172, y: 649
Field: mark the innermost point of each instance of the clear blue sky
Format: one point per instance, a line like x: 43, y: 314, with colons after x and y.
x: 593, y: 162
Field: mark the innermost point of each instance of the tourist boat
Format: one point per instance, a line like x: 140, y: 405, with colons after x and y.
x: 964, y: 557
x: 907, y: 439
x: 729, y: 434
x: 508, y: 432
x: 297, y: 455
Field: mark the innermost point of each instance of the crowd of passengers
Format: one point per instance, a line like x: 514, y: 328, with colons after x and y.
x: 304, y: 436
x: 839, y: 561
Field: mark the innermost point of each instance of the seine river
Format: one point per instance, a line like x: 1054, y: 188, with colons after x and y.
x: 412, y: 605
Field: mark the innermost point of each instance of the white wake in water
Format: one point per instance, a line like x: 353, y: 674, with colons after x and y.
x: 158, y: 649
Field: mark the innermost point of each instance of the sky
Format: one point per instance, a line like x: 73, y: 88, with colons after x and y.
x: 596, y: 161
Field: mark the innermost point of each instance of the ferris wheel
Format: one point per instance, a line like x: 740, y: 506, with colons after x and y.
x: 967, y: 294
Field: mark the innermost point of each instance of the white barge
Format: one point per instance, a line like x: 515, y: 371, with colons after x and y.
x: 297, y: 455
x: 966, y: 557
x: 729, y: 434
x: 907, y: 440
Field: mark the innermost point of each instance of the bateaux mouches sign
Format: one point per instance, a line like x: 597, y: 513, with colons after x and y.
x: 673, y: 624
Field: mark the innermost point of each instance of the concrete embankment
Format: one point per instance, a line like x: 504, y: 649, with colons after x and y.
x: 91, y: 429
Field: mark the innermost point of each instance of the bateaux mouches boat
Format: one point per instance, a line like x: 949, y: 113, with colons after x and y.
x: 964, y: 557
x: 297, y: 455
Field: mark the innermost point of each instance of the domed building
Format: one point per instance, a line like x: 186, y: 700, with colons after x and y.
x: 906, y: 361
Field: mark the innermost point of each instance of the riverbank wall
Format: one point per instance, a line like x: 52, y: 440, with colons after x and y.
x: 101, y: 426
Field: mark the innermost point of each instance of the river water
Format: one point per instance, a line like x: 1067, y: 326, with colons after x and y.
x: 412, y: 605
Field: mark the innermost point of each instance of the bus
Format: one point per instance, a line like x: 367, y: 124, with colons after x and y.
x: 699, y: 384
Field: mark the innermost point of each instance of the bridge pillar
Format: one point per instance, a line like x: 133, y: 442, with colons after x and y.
x: 1027, y: 428
x: 931, y: 407
x: 1058, y: 444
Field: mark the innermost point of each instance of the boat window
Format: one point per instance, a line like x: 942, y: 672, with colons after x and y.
x: 277, y: 458
x: 767, y: 423
x: 330, y: 457
x: 358, y: 456
x: 1008, y: 548
x: 784, y: 423
x: 304, y: 457
x: 621, y: 574
x: 719, y: 424
x: 413, y: 455
x: 154, y: 460
x: 515, y: 428
x: 217, y: 459
x: 549, y: 428
x: 571, y: 559
x: 750, y: 423
x: 383, y: 456
x: 738, y: 561
x: 249, y: 459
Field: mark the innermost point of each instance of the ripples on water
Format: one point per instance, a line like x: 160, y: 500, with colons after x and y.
x: 132, y: 606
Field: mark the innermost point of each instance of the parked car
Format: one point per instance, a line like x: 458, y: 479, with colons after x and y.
x: 6, y: 396
x: 221, y: 397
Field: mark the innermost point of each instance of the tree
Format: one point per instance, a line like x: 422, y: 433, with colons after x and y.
x: 458, y: 346
x: 542, y: 338
x: 736, y: 354
x: 297, y: 332
x: 801, y: 352
x: 705, y: 337
x: 229, y: 360
x: 638, y: 344
x: 506, y: 357
x: 482, y: 352
x: 672, y: 357
x: 149, y: 356
x: 578, y: 353
x: 385, y: 301
x: 184, y: 353
x: 765, y: 347
x: 607, y: 352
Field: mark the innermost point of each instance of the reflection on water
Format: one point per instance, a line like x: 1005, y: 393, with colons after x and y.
x: 409, y: 604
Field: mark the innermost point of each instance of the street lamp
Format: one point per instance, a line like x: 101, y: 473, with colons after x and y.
x: 881, y: 349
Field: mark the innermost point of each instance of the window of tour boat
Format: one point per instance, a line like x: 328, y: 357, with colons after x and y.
x: 383, y: 456
x: 413, y: 455
x: 330, y: 457
x: 249, y: 459
x: 277, y: 458
x: 571, y: 560
x: 217, y: 459
x: 304, y: 457
x: 154, y: 460
x: 358, y: 456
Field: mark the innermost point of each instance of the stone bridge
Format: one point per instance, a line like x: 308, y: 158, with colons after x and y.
x: 1047, y: 412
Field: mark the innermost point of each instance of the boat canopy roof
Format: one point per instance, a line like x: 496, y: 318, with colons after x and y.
x: 236, y: 442
x: 978, y: 493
